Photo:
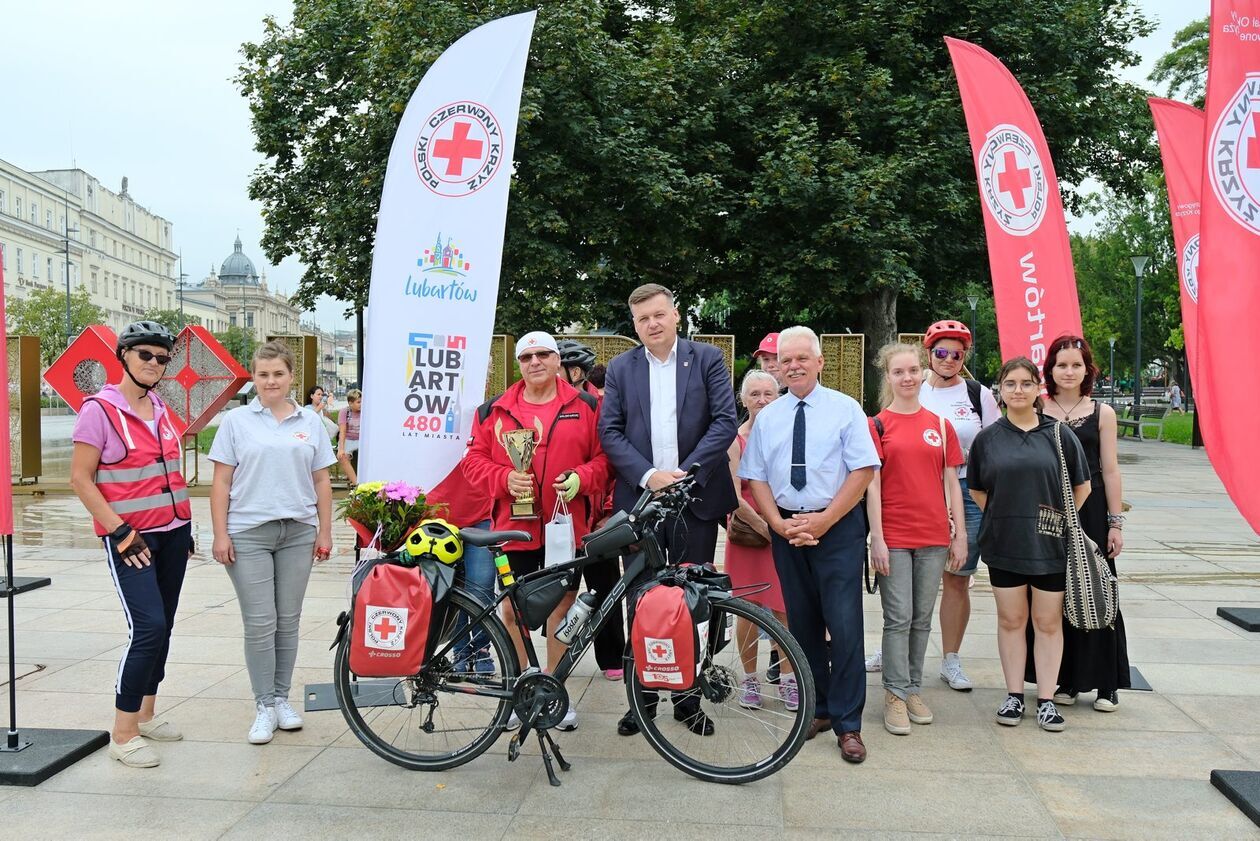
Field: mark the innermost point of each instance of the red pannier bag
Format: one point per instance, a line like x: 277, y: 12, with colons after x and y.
x: 669, y: 632
x: 392, y: 612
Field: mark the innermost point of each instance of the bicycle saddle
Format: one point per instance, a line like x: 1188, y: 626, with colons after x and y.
x: 485, y: 537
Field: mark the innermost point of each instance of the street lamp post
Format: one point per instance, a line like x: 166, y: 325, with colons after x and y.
x: 975, y: 346
x: 182, y: 278
x: 1111, y: 370
x: 1139, y: 268
x: 66, y: 241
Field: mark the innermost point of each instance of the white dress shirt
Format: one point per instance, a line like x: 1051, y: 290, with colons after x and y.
x: 663, y: 410
x: 837, y: 442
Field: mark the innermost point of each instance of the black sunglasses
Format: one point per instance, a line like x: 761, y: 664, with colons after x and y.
x: 150, y: 356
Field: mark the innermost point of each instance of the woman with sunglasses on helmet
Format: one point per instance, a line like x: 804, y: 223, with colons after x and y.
x: 126, y: 471
x: 1097, y: 660
x: 969, y: 407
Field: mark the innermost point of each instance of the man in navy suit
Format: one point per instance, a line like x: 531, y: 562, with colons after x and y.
x: 666, y: 406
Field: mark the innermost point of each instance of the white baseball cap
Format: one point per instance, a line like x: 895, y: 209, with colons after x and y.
x: 535, y: 340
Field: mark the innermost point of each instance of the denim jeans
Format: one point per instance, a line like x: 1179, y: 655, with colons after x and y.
x: 971, y: 518
x: 273, y: 565
x: 908, y: 594
x: 479, y: 574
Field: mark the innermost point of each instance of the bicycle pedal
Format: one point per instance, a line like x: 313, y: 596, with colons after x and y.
x: 514, y: 749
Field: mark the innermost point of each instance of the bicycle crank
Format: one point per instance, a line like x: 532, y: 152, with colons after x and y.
x: 540, y: 702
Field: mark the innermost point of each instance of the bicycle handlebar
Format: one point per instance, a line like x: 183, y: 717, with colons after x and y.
x: 653, y: 506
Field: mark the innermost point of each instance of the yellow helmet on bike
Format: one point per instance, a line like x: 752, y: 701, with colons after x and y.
x: 437, y: 539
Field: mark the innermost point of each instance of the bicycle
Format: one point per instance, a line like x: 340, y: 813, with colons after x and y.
x: 460, y: 701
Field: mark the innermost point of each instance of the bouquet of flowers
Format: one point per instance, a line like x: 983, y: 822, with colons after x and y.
x: 384, y: 512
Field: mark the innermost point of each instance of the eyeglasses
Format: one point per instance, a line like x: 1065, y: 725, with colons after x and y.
x: 942, y: 353
x: 1027, y: 385
x: 150, y: 356
x: 526, y: 358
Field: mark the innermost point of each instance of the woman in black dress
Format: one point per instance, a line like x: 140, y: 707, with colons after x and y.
x: 1092, y: 660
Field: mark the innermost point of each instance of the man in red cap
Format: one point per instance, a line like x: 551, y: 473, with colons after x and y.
x: 767, y: 358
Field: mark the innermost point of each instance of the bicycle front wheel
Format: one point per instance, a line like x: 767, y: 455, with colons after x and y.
x: 749, y: 740
x: 449, y: 713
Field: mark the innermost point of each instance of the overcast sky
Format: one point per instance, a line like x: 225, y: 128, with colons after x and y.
x: 141, y: 88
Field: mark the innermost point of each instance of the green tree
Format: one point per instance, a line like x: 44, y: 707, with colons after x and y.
x: 170, y: 319
x: 42, y: 313
x: 808, y: 158
x: 1184, y: 67
x: 240, y: 342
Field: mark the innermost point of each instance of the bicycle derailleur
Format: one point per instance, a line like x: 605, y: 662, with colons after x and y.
x: 540, y: 702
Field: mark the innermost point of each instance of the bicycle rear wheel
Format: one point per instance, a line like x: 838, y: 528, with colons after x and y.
x: 746, y: 744
x: 436, y: 719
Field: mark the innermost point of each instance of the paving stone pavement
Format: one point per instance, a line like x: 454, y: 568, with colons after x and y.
x: 1141, y: 772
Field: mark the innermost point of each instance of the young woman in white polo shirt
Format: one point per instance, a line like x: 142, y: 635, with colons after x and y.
x: 271, y: 503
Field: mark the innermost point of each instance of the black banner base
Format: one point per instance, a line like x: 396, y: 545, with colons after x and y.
x: 1243, y: 790
x: 1137, y: 682
x: 1247, y: 618
x: 371, y: 693
x: 49, y: 752
x: 24, y: 583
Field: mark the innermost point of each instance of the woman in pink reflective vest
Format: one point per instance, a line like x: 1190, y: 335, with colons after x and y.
x: 126, y: 471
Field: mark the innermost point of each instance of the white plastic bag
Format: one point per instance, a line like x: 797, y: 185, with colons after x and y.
x: 558, y: 536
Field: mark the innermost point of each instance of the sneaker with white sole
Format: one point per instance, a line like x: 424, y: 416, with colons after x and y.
x: 160, y: 731
x: 875, y: 662
x: 1048, y: 717
x: 789, y: 693
x: 1011, y: 712
x: 917, y: 709
x: 264, y: 725
x: 1065, y: 696
x: 953, y: 674
x: 514, y: 723
x: 750, y: 693
x: 287, y: 718
x: 1106, y: 703
x: 569, y: 722
x: 134, y: 753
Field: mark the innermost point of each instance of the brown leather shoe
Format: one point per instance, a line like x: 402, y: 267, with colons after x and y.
x: 851, y: 746
x: 817, y: 726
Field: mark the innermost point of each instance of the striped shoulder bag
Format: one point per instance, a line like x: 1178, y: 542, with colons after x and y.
x: 1093, y: 592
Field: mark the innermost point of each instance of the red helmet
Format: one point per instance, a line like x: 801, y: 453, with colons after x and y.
x: 947, y: 329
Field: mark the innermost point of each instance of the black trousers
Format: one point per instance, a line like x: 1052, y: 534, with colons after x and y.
x: 610, y: 642
x: 694, y: 541
x: 822, y: 590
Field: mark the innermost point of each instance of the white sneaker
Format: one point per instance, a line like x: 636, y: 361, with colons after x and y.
x: 514, y: 723
x: 136, y: 753
x: 875, y: 662
x: 569, y: 722
x: 264, y: 725
x: 953, y: 674
x: 287, y: 718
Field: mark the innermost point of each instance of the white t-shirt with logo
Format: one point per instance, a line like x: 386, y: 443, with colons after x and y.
x: 954, y: 405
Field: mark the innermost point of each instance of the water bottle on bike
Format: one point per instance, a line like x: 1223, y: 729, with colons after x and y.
x: 575, y: 620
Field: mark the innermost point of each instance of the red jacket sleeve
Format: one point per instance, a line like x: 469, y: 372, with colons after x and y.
x: 481, y: 464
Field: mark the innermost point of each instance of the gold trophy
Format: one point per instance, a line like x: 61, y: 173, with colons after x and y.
x: 520, y: 445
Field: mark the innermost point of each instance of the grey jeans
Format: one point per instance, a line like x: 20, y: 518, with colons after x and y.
x: 908, y: 594
x: 273, y: 565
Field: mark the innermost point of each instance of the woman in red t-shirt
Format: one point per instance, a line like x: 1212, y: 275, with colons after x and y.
x: 910, y: 527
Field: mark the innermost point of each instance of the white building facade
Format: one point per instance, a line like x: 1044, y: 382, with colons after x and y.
x: 118, y: 250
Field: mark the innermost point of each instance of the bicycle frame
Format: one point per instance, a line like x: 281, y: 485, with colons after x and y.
x: 649, y: 557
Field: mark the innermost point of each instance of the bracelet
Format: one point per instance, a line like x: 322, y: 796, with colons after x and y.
x: 1115, y: 520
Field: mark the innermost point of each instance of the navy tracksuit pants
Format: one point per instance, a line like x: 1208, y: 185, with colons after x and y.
x: 150, y: 596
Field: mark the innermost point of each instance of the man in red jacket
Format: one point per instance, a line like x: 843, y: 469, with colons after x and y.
x: 568, y: 465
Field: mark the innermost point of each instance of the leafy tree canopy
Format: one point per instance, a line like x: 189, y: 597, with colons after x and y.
x: 42, y: 313
x: 809, y: 158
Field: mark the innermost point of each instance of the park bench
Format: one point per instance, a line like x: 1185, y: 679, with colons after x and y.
x: 1144, y: 416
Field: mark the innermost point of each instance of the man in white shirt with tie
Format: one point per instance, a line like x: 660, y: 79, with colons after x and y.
x: 808, y: 461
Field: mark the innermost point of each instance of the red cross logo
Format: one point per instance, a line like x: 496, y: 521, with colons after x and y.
x: 384, y: 629
x: 1014, y: 179
x: 1253, y: 144
x: 456, y: 148
x: 659, y: 650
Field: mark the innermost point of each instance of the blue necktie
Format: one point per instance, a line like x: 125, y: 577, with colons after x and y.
x: 798, y: 447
